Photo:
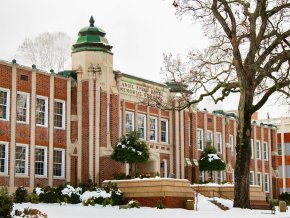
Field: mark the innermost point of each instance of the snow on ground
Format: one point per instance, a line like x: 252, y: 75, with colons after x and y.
x: 205, y: 210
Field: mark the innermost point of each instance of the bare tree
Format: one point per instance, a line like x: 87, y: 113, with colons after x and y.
x: 47, y: 51
x: 248, y: 52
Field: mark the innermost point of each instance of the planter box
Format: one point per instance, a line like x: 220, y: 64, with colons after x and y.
x: 173, y: 192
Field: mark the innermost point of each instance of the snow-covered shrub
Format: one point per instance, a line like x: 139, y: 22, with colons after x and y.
x: 6, y: 203
x: 116, y: 194
x: 48, y: 195
x: 132, y: 150
x: 134, y: 204
x: 21, y: 195
x: 210, y: 161
x: 71, y: 194
x: 285, y: 196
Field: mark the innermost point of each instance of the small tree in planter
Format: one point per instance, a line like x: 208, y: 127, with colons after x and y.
x: 210, y: 161
x: 130, y: 149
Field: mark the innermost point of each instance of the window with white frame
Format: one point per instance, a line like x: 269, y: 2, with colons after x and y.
x: 153, y: 128
x: 266, y: 151
x: 279, y: 149
x: 259, y: 179
x: 58, y: 163
x: 129, y: 122
x: 142, y: 126
x: 59, y: 114
x: 21, y: 159
x: 201, y: 176
x: 164, y: 131
x: 4, y: 104
x: 266, y: 183
x: 22, y: 115
x: 209, y: 137
x: 219, y: 142
x: 200, y: 139
x: 219, y: 177
x: 252, y: 178
x: 4, y: 157
x: 258, y: 147
x: 232, y: 143
x: 41, y: 110
x: 252, y: 149
x: 40, y: 161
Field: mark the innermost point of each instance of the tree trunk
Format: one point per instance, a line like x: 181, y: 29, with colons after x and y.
x: 243, y: 149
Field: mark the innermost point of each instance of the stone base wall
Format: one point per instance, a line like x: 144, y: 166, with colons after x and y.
x: 172, y: 192
x: 227, y: 192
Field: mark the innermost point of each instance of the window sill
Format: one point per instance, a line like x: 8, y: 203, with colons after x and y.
x: 4, y: 120
x: 21, y: 176
x: 21, y: 122
x: 43, y: 126
x: 59, y: 177
x: 41, y: 177
x: 60, y: 128
x: 4, y: 174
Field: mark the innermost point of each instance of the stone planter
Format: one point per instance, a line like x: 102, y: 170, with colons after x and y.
x: 172, y: 192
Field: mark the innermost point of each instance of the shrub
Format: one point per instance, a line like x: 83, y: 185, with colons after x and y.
x: 285, y: 197
x: 121, y: 176
x: 48, y: 195
x: 116, y: 194
x: 33, y: 198
x: 160, y: 205
x: 6, y: 203
x: 107, y: 201
x: 134, y: 204
x: 29, y: 212
x: 21, y: 195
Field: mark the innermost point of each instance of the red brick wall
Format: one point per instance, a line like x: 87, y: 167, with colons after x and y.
x: 109, y: 167
x: 85, y: 131
x: 114, y: 119
x: 103, y: 120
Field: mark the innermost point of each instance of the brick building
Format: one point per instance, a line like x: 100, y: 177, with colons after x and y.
x: 283, y: 151
x: 63, y: 127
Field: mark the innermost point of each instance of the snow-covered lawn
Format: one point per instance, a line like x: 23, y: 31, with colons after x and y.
x: 205, y: 210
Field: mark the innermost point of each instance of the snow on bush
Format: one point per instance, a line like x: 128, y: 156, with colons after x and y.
x: 95, y: 194
x: 68, y: 190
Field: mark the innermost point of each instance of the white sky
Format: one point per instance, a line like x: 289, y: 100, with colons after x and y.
x: 140, y: 32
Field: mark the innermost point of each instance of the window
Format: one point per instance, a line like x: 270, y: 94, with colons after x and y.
x: 258, y: 147
x: 232, y: 143
x: 3, y: 157
x: 41, y: 111
x: 266, y: 151
x: 219, y: 177
x: 59, y: 114
x: 58, y: 163
x: 200, y: 139
x: 142, y: 126
x: 259, y: 179
x: 4, y: 104
x: 201, y: 176
x: 164, y: 131
x: 209, y: 139
x: 219, y: 142
x: 153, y: 128
x: 266, y: 182
x: 40, y: 161
x: 129, y: 124
x: 22, y: 108
x: 21, y: 159
x: 279, y: 149
x: 252, y: 149
x: 251, y: 178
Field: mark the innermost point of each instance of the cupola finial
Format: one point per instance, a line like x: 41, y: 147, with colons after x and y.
x: 92, y: 21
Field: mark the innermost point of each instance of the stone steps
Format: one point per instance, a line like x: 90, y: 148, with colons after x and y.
x: 219, y: 205
x: 260, y: 205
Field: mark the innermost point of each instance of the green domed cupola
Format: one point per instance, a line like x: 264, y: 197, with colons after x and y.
x: 92, y: 39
